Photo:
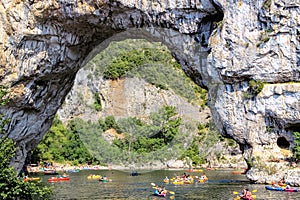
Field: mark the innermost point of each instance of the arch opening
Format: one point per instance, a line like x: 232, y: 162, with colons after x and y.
x: 113, y: 92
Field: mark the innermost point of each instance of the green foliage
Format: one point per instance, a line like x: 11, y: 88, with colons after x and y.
x: 255, y: 87
x: 206, y: 138
x: 97, y: 102
x: 267, y: 4
x: 143, y: 138
x: 11, y: 187
x: 61, y: 144
x: 193, y: 153
x: 4, y: 95
x: 296, y: 148
x: 152, y: 62
x: 110, y: 122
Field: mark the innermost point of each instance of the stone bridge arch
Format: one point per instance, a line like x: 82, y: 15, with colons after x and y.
x: 44, y: 43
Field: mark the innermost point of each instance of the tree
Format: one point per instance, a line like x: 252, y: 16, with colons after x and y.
x: 296, y: 148
x: 12, y: 187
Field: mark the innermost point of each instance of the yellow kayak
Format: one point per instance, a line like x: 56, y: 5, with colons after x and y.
x: 27, y: 179
x: 94, y: 177
x: 178, y: 182
x: 202, y: 180
x: 189, y: 182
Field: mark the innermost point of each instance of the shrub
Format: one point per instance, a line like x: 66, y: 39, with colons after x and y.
x: 296, y: 148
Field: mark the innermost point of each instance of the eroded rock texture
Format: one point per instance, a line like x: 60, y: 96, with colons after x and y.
x: 44, y: 44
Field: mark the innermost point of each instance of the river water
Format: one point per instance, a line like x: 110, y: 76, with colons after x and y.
x: 220, y: 186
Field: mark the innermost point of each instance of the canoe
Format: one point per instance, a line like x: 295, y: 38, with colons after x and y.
x: 274, y: 188
x: 94, y: 177
x: 58, y: 179
x: 31, y: 179
x: 156, y: 193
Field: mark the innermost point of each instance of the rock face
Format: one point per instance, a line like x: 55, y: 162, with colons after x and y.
x: 123, y: 98
x: 45, y: 43
x: 257, y: 42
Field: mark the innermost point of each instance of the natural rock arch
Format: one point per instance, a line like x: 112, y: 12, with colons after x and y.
x: 44, y: 43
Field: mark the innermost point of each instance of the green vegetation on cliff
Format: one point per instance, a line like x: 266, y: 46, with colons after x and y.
x: 203, y: 145
x: 152, y: 62
x: 12, y: 187
x: 296, y: 148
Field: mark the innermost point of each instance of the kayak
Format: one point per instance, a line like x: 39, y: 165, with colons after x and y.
x: 57, y: 179
x: 282, y: 184
x: 195, y: 170
x: 50, y: 172
x: 189, y: 182
x: 94, y: 177
x: 156, y: 193
x: 134, y: 173
x: 243, y: 198
x: 274, y: 188
x: 73, y: 170
x: 237, y: 172
x: 105, y: 180
x: 202, y: 180
x: 166, y: 180
x: 32, y: 179
x: 178, y: 182
x: 291, y: 190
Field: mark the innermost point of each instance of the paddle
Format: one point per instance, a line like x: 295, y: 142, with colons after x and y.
x: 155, y: 187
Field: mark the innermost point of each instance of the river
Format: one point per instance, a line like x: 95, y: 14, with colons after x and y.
x: 220, y: 186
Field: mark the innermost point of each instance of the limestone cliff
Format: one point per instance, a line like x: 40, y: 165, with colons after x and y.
x: 123, y: 98
x: 45, y: 43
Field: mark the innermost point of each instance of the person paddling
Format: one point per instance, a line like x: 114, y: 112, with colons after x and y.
x: 246, y: 195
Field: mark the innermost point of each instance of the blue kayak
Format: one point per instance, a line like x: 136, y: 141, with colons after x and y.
x: 274, y: 188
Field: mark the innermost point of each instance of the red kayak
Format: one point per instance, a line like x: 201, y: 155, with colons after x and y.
x: 57, y: 179
x: 291, y: 190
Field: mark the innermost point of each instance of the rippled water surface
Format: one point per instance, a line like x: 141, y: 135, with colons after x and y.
x: 220, y: 186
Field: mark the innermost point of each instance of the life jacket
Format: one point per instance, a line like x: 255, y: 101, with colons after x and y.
x: 248, y: 194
